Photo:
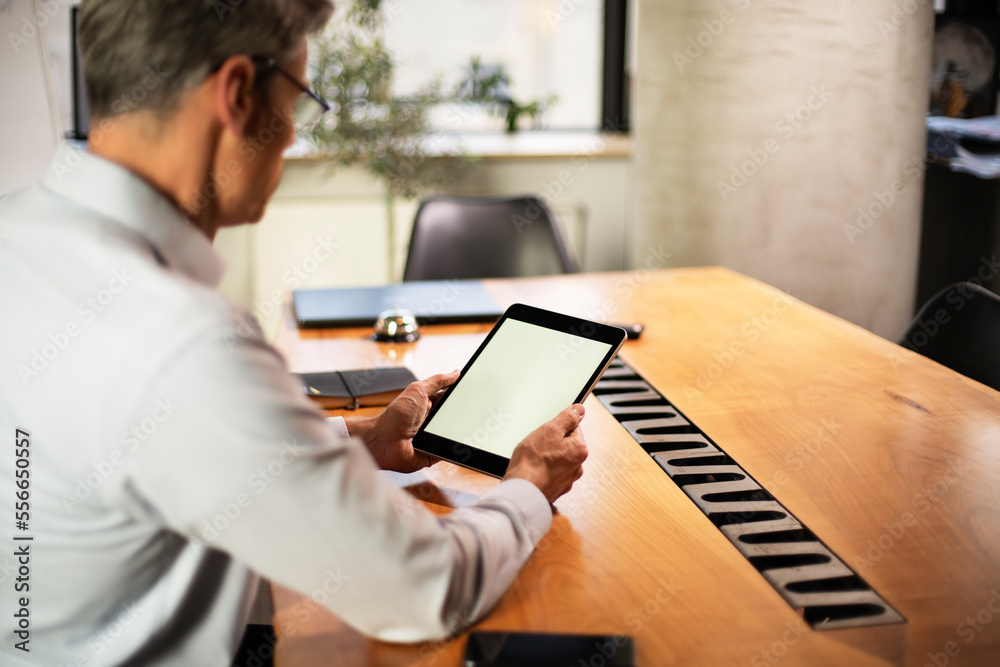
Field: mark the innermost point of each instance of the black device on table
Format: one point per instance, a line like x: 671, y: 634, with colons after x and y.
x: 525, y: 649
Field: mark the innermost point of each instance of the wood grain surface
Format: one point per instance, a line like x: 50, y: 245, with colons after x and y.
x: 891, y: 459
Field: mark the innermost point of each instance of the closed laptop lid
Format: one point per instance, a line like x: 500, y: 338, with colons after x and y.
x: 431, y: 301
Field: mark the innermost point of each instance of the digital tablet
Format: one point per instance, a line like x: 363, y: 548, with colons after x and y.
x: 533, y: 365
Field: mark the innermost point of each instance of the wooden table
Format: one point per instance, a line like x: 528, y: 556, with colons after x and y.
x: 890, y: 459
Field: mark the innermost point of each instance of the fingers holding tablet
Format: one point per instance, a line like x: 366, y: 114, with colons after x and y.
x: 439, y: 383
x: 388, y: 436
x: 531, y: 365
x: 434, y: 386
x: 551, y: 457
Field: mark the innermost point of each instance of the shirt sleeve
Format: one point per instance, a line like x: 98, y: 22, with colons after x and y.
x: 339, y: 427
x: 245, y: 463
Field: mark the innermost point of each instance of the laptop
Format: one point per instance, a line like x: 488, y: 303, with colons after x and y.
x: 431, y: 301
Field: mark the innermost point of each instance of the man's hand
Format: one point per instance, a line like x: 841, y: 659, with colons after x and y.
x: 389, y: 435
x: 551, y: 457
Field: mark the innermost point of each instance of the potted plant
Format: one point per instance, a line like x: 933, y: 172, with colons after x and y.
x: 368, y: 126
x: 390, y: 135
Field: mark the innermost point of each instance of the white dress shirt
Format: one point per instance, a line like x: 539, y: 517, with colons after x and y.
x: 173, y: 458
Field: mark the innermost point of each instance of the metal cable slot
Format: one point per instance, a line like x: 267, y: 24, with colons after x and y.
x: 806, y: 573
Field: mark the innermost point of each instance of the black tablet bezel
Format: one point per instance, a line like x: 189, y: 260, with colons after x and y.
x: 489, y: 463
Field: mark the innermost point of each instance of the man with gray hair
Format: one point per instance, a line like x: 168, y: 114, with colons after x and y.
x: 169, y: 461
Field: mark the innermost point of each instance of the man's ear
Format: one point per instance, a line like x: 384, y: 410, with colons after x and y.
x: 234, y: 96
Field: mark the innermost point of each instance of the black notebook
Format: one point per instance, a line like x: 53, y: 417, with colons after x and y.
x: 357, y: 388
x: 431, y: 301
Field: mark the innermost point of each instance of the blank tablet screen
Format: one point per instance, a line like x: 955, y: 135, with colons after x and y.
x: 522, y: 379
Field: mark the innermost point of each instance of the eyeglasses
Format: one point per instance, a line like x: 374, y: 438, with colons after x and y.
x: 309, y: 107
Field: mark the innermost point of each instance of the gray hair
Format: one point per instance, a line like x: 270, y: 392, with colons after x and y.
x: 145, y: 54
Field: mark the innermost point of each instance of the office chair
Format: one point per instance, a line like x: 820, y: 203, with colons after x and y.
x: 959, y: 327
x: 485, y: 237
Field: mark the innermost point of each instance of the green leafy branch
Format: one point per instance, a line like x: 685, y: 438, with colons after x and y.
x: 391, y: 135
x: 487, y: 86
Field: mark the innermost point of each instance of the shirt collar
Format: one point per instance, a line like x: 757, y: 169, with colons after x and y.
x: 119, y: 194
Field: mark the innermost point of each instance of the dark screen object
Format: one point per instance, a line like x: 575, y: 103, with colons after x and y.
x: 257, y: 647
x: 615, y: 90
x: 524, y: 649
x: 81, y: 106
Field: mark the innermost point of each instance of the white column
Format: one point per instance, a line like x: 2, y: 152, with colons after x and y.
x: 785, y: 139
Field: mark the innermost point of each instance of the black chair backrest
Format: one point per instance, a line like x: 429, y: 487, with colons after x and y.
x: 959, y: 327
x: 485, y: 237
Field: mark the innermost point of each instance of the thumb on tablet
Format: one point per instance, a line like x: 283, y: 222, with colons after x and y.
x: 436, y: 383
x: 571, y: 416
x: 551, y: 457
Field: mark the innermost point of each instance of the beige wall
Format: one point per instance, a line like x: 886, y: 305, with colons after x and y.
x: 326, y: 230
x: 761, y: 128
x: 29, y: 118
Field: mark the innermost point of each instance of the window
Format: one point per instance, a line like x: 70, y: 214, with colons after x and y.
x: 547, y: 47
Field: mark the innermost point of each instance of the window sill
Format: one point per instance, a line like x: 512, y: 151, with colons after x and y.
x: 540, y: 144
